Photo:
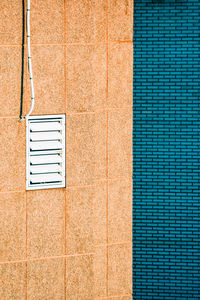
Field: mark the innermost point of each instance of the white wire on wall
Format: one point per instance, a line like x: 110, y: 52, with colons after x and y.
x: 29, y: 59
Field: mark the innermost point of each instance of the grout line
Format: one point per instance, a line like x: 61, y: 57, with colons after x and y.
x: 107, y: 237
x: 10, y: 117
x: 65, y: 102
x: 26, y: 281
x: 11, y: 45
x: 48, y: 44
x: 12, y: 192
x: 112, y: 244
x: 65, y: 238
x: 114, y: 179
x: 97, y: 181
x: 65, y: 248
x: 105, y: 109
x: 120, y: 179
x: 44, y: 258
x: 107, y: 146
x: 26, y: 225
x: 82, y: 113
x: 120, y: 108
x: 122, y: 42
x: 114, y: 296
x: 63, y: 256
x: 80, y: 186
x: 26, y: 288
x: 67, y: 44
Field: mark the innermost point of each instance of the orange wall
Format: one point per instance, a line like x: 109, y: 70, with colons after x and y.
x: 72, y: 243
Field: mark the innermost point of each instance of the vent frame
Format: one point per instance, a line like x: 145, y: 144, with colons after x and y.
x: 52, y: 153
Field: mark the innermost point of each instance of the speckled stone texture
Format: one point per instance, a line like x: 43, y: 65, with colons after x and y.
x: 72, y: 243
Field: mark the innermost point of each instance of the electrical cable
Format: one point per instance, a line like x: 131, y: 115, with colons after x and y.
x: 29, y: 61
x: 22, y: 64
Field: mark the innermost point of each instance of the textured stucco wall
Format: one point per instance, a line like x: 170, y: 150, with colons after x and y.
x: 72, y: 243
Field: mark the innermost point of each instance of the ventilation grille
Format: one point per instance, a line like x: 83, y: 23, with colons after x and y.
x: 45, y: 152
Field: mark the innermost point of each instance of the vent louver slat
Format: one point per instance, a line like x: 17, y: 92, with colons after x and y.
x: 45, y: 126
x: 45, y: 178
x: 52, y: 168
x: 44, y: 136
x: 45, y: 159
x: 45, y: 145
x: 45, y: 152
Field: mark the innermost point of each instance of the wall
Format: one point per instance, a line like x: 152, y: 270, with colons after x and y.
x: 72, y: 243
x: 166, y: 214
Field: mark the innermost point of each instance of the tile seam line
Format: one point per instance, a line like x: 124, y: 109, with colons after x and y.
x: 64, y: 256
x: 65, y: 102
x: 45, y: 258
x: 98, y: 181
x: 26, y: 282
x: 113, y: 296
x: 67, y: 255
x: 114, y: 243
x: 68, y: 44
x: 107, y: 109
x: 107, y: 163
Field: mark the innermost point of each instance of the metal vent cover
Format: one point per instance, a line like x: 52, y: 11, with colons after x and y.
x: 45, y: 152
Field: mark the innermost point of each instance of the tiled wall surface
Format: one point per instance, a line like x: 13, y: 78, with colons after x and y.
x: 72, y: 243
x: 166, y: 210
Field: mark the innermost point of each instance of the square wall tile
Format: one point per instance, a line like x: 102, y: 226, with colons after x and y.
x: 120, y: 143
x: 13, y: 281
x: 99, y: 227
x: 80, y: 145
x: 120, y: 20
x: 46, y: 222
x: 80, y: 221
x: 48, y: 72
x: 119, y: 211
x: 120, y: 269
x: 86, y: 21
x: 12, y: 151
x: 100, y: 271
x: 120, y: 75
x: 47, y: 22
x: 10, y: 83
x: 46, y: 279
x: 10, y: 22
x: 86, y: 77
x: 100, y: 144
x: 86, y: 218
x: 12, y: 226
x: 80, y: 277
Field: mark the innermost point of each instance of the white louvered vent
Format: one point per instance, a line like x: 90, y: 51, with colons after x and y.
x: 45, y: 152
